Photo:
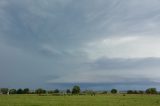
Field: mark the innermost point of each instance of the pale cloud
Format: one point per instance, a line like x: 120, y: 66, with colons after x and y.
x: 79, y: 40
x: 124, y: 47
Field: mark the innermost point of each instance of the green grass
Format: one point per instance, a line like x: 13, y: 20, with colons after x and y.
x: 98, y: 100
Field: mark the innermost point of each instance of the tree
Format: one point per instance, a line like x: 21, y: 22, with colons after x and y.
x: 141, y: 92
x: 26, y: 91
x: 130, y: 92
x: 136, y: 92
x: 68, y: 91
x: 19, y: 91
x: 76, y: 89
x: 40, y: 91
x: 4, y: 90
x: 12, y: 91
x: 56, y: 91
x: 151, y: 91
x: 50, y: 92
x: 114, y: 91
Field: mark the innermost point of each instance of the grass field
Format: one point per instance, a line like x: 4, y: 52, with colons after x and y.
x: 98, y: 100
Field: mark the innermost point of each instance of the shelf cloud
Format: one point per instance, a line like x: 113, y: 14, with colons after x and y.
x: 79, y: 41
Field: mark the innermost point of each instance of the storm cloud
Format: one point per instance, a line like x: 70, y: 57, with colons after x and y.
x: 84, y: 41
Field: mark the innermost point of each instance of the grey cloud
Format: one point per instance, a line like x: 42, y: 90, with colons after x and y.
x: 64, y: 24
x: 48, y: 38
x: 125, y: 64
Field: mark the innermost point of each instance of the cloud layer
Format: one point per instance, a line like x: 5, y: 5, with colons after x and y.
x: 70, y: 41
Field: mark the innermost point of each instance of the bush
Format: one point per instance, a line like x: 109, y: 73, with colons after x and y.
x: 56, y: 94
x: 129, y: 92
x: 104, y: 92
x: 114, y: 91
x: 89, y: 92
x: 135, y: 92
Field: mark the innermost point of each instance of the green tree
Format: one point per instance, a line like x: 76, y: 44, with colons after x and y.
x: 19, y: 91
x: 136, y: 92
x: 12, y: 91
x: 151, y: 91
x: 4, y: 90
x: 50, y: 92
x: 130, y: 92
x: 26, y: 91
x: 76, y: 89
x: 141, y: 92
x: 68, y: 91
x: 40, y: 91
x: 56, y: 91
x: 114, y: 91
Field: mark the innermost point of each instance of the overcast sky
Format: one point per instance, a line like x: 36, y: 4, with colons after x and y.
x: 79, y: 41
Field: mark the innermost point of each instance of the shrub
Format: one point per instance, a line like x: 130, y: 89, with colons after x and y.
x: 114, y: 91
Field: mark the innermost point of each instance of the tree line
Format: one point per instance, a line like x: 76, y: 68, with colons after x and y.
x: 147, y: 91
x: 74, y: 91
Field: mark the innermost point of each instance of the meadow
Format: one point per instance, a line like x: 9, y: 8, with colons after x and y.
x: 82, y: 100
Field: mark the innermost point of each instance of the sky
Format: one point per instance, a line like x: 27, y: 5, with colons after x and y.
x: 47, y: 42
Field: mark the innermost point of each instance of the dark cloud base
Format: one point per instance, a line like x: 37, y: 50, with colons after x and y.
x: 40, y: 38
x: 106, y: 86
